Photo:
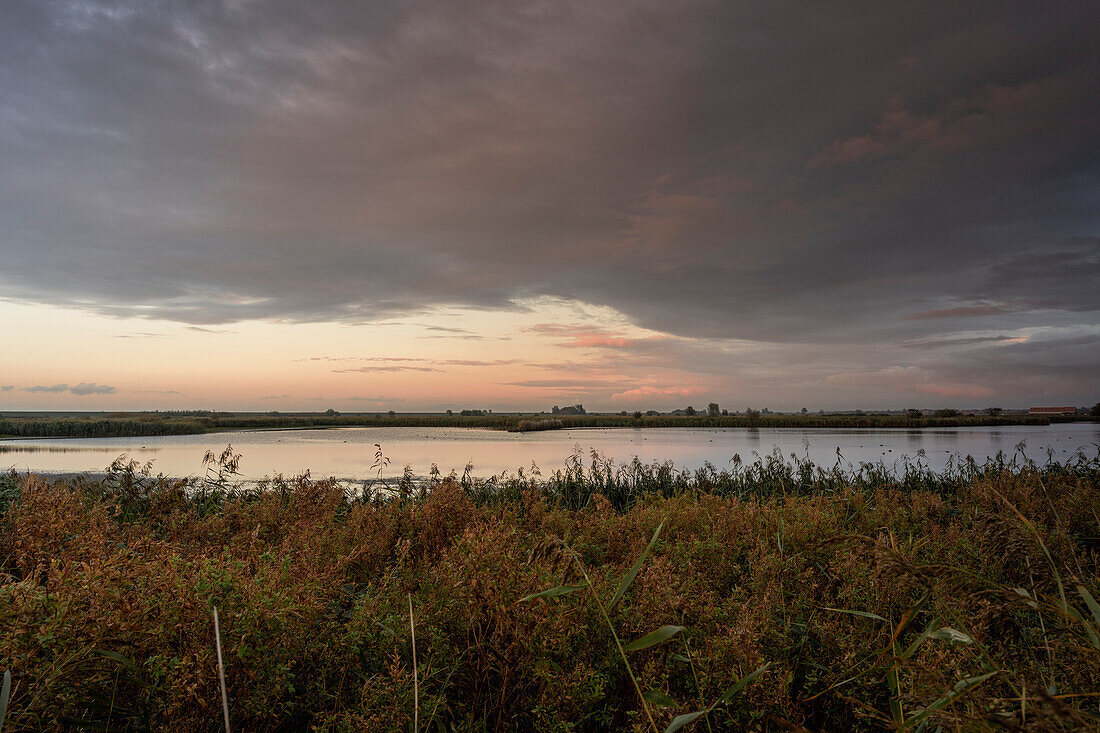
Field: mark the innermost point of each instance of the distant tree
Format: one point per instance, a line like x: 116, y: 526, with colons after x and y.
x: 1095, y: 411
x: 391, y: 413
x: 912, y: 413
x: 753, y: 415
x: 556, y: 410
x: 450, y: 413
x: 725, y: 412
x: 993, y: 411
x: 946, y: 412
x: 713, y: 409
x: 637, y: 414
x: 331, y: 412
x: 650, y: 413
x: 804, y: 410
x: 689, y: 410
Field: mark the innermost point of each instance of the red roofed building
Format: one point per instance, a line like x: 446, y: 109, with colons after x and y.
x: 1052, y: 411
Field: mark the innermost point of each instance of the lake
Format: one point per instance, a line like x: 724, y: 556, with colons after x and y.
x: 348, y: 453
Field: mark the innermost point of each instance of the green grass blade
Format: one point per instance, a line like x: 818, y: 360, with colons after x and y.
x: 633, y: 572
x: 5, y: 694
x: 1029, y: 600
x: 561, y: 590
x: 1094, y: 607
x: 864, y: 614
x: 953, y: 694
x: 895, y: 701
x: 741, y: 684
x: 920, y: 640
x: 658, y: 697
x: 681, y: 720
x: 950, y: 635
x: 115, y: 656
x: 1074, y: 614
x: 896, y: 713
x: 654, y: 637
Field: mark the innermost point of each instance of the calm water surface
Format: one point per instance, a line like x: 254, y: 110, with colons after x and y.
x: 349, y: 452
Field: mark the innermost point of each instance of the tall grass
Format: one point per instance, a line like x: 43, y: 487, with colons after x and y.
x: 774, y: 594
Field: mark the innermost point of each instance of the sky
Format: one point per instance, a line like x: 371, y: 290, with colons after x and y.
x: 439, y: 204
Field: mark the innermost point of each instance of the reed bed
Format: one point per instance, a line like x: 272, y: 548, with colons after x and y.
x: 773, y: 594
x: 151, y: 423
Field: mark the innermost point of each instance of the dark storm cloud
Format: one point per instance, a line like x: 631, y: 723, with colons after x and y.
x: 877, y: 172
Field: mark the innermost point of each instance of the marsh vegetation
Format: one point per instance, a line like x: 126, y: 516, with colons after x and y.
x: 775, y: 595
x: 108, y: 425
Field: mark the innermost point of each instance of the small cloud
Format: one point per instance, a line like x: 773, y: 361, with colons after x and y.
x: 571, y: 384
x: 954, y: 390
x: 373, y: 369
x: 380, y: 400
x: 361, y: 358
x: 450, y: 332
x: 275, y: 397
x: 86, y: 388
x: 946, y: 343
x: 445, y: 329
x: 645, y: 393
x: 477, y: 363
x: 910, y: 379
x: 966, y: 311
x: 578, y: 337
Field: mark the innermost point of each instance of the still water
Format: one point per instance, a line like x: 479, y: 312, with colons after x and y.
x: 348, y: 453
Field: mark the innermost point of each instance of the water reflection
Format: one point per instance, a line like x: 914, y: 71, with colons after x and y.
x: 349, y: 452
x: 6, y: 447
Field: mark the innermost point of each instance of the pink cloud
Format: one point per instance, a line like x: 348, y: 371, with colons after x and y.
x: 990, y: 116
x: 574, y: 337
x: 852, y: 150
x: 954, y: 390
x: 646, y: 393
x: 909, y: 379
x: 664, y: 220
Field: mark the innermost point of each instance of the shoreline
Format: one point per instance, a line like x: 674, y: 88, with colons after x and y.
x: 139, y: 425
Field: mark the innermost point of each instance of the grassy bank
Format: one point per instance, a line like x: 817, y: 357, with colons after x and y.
x: 788, y: 597
x: 152, y: 423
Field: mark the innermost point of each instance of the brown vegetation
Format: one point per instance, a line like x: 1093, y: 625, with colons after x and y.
x: 866, y: 606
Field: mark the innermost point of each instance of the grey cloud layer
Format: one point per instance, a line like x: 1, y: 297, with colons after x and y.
x: 772, y: 172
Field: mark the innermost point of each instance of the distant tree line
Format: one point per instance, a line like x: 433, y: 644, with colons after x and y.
x: 146, y: 424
